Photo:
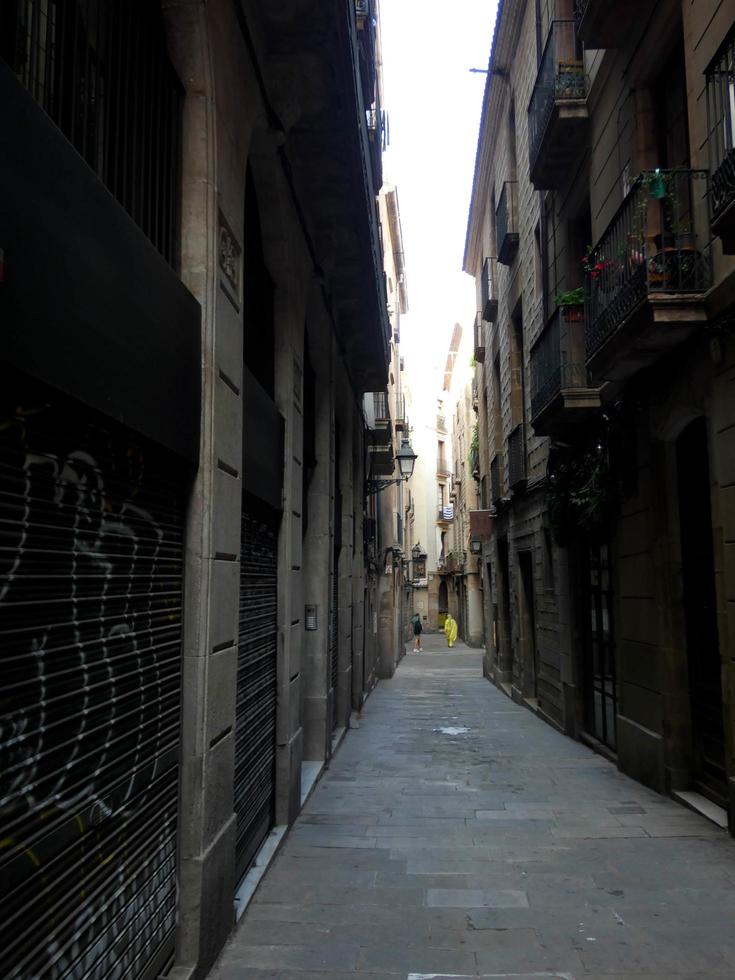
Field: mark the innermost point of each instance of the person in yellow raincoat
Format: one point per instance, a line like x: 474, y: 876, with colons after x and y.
x: 450, y: 630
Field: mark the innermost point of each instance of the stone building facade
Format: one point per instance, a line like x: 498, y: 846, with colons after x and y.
x: 464, y: 565
x: 194, y: 308
x: 600, y: 238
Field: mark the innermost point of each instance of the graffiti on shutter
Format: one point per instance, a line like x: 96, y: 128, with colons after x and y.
x: 91, y: 544
x: 255, y: 733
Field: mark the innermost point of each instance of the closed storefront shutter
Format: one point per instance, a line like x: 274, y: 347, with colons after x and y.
x: 255, y: 735
x: 91, y: 545
x: 333, y: 639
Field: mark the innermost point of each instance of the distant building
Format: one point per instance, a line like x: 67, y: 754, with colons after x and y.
x: 601, y: 237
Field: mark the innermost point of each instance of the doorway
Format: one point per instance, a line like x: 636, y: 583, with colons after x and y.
x: 443, y: 602
x: 599, y: 673
x: 700, y: 612
x: 529, y: 646
x: 505, y: 632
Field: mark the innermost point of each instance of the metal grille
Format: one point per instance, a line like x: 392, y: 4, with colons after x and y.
x: 650, y: 246
x: 721, y: 125
x: 91, y: 540
x: 557, y: 362
x: 101, y: 72
x: 255, y: 715
x: 561, y: 77
x: 380, y: 406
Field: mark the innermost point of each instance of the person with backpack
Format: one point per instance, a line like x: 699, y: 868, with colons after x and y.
x: 417, y: 628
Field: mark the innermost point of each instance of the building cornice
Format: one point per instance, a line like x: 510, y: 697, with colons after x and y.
x: 504, y: 45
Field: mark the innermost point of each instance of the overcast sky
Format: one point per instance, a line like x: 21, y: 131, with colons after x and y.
x: 434, y: 103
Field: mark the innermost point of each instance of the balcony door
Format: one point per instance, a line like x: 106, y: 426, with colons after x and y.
x: 700, y: 612
x: 599, y: 673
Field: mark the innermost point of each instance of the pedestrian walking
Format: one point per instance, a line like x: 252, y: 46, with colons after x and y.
x: 450, y: 630
x: 417, y: 628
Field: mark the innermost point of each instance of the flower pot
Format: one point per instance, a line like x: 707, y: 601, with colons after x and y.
x: 573, y: 314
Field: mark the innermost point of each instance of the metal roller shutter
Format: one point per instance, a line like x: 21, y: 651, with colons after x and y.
x: 333, y: 639
x: 255, y: 733
x: 91, y: 545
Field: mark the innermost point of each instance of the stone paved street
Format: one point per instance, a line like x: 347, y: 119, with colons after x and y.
x: 455, y: 834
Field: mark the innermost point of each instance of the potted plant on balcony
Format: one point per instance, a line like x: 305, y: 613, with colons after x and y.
x: 571, y: 304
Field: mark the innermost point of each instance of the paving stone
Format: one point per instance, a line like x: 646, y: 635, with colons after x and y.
x: 509, y: 851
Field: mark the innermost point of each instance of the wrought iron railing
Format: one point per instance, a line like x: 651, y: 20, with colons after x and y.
x: 445, y: 514
x: 721, y: 126
x: 560, y: 78
x: 104, y: 77
x: 488, y: 286
x: 517, y: 457
x: 441, y: 423
x: 380, y: 406
x: 557, y: 361
x: 400, y: 408
x: 506, y: 223
x: 442, y: 466
x: 496, y: 480
x: 656, y: 243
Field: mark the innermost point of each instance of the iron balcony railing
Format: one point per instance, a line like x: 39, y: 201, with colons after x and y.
x: 442, y: 466
x: 721, y: 126
x: 445, y: 514
x: 560, y: 78
x: 517, y: 457
x: 380, y: 406
x: 441, y: 423
x: 455, y: 561
x: 506, y: 223
x: 400, y: 408
x: 652, y: 245
x: 479, y: 337
x: 488, y: 288
x: 101, y: 72
x: 557, y: 360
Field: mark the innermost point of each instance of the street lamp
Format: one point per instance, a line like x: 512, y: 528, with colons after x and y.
x: 406, y: 459
x: 419, y: 562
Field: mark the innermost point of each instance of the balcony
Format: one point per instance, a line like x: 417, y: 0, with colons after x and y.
x: 445, y: 514
x: 454, y: 562
x: 441, y: 423
x: 378, y: 418
x: 496, y: 481
x: 557, y: 115
x: 506, y: 223
x: 560, y: 391
x: 400, y: 420
x: 443, y: 467
x: 489, y: 290
x: 601, y: 24
x: 475, y: 396
x: 479, y: 338
x: 721, y: 140
x: 517, y: 458
x: 647, y: 275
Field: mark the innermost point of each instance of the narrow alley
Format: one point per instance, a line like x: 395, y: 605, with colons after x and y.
x: 457, y: 835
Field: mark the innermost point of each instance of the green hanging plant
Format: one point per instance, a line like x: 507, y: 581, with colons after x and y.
x: 582, y: 493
